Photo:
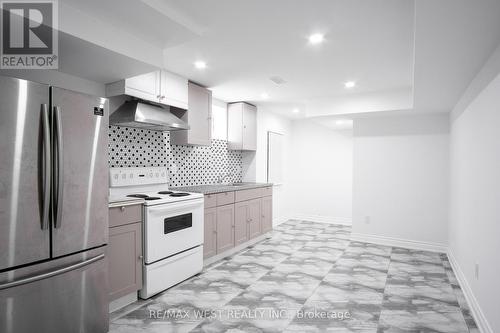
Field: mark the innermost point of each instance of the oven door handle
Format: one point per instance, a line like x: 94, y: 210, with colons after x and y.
x: 173, y: 209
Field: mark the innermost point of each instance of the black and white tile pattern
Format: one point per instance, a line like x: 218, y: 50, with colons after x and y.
x: 188, y: 165
x: 307, y: 267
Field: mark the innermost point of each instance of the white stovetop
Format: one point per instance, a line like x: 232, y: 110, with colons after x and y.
x: 147, y: 181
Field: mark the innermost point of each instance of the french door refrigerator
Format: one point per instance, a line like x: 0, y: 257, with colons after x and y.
x: 53, y: 209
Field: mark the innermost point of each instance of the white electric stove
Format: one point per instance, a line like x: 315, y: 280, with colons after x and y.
x: 172, y: 228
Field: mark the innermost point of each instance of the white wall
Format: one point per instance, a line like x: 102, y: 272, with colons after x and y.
x: 400, y: 180
x: 255, y: 163
x: 475, y: 200
x: 320, y: 175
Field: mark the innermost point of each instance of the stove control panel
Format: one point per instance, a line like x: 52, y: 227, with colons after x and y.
x: 137, y: 176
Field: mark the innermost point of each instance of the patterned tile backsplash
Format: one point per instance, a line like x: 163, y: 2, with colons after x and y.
x: 188, y: 165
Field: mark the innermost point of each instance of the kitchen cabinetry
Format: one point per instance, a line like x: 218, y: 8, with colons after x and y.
x: 240, y: 223
x: 159, y: 87
x: 125, y: 250
x: 242, y: 126
x: 253, y: 218
x: 225, y: 228
x: 199, y: 118
x: 267, y: 214
x: 240, y: 216
x: 210, y: 233
x: 173, y: 90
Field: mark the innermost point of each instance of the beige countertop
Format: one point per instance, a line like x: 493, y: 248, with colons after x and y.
x: 124, y: 201
x: 220, y: 188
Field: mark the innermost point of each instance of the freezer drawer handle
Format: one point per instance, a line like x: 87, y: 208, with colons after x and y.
x: 59, y: 168
x: 47, y: 167
x: 50, y: 274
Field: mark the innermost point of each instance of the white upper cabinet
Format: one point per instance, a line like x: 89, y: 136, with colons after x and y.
x: 174, y: 90
x: 159, y: 87
x: 242, y: 126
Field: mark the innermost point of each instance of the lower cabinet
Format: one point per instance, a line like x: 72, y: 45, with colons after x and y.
x: 125, y: 260
x: 240, y: 223
x: 210, y: 233
x: 266, y: 219
x: 253, y: 218
x: 225, y: 228
x: 235, y: 218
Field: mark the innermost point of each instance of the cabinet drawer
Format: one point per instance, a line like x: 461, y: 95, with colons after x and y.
x: 267, y: 191
x: 125, y: 215
x: 225, y: 198
x: 210, y: 200
x: 244, y: 195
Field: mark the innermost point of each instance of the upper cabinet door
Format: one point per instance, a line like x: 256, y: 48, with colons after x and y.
x: 174, y: 90
x: 145, y: 86
x: 249, y: 141
x: 242, y: 126
x: 235, y: 126
x: 199, y: 118
x: 200, y: 115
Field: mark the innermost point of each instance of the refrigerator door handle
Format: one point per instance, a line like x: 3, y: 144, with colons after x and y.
x: 47, y: 167
x: 50, y: 274
x: 59, y: 166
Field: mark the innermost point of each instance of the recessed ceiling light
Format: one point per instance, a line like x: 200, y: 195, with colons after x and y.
x: 200, y: 64
x: 316, y: 38
x: 350, y: 84
x: 264, y: 95
x: 295, y: 110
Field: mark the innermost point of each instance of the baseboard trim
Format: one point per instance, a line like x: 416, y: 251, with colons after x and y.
x: 323, y: 219
x: 122, y: 301
x: 279, y: 220
x: 477, y: 313
x: 399, y: 242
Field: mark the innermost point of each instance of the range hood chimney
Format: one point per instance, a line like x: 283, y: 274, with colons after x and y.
x: 136, y: 113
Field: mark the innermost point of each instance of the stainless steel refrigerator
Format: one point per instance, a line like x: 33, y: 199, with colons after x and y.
x: 53, y: 209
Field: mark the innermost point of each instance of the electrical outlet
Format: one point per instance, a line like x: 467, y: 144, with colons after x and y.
x: 476, y: 271
x: 367, y: 220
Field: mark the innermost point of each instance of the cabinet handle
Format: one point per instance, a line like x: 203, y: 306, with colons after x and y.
x: 140, y: 257
x: 158, y: 96
x: 122, y: 208
x: 162, y: 97
x: 263, y: 216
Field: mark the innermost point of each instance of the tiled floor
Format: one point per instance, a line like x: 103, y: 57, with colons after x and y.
x: 304, y: 271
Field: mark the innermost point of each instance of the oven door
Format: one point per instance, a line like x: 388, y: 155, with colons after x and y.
x: 172, y: 228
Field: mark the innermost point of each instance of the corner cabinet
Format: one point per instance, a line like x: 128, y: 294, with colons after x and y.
x: 242, y: 126
x: 198, y: 117
x: 125, y: 250
x: 160, y: 87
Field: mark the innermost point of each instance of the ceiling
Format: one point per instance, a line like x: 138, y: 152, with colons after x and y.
x: 403, y: 54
